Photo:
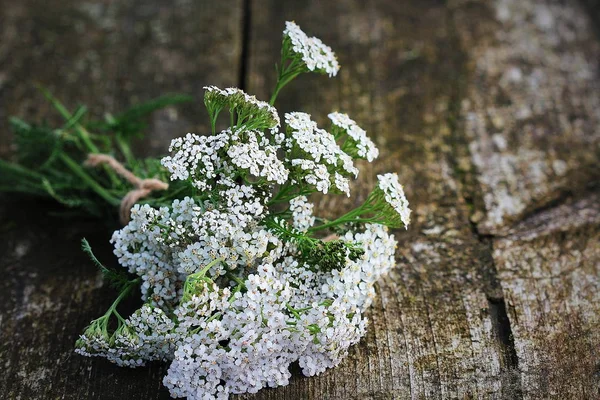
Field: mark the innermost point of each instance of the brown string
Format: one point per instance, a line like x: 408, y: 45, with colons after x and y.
x: 143, y: 187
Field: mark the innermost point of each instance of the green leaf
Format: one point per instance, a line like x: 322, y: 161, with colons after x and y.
x: 37, y: 145
x: 69, y: 202
x: 77, y: 115
x: 117, y: 279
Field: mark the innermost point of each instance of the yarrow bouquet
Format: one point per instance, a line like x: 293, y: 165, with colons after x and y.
x: 239, y: 279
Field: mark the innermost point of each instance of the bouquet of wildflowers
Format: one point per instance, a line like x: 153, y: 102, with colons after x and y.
x: 239, y: 279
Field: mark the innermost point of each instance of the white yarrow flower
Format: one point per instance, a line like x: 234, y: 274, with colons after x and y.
x: 394, y: 195
x: 316, y: 55
x: 365, y: 148
x: 322, y: 154
x: 239, y: 279
x: 262, y: 112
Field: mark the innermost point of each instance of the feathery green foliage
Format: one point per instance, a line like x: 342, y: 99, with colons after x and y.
x: 48, y: 161
x: 116, y: 278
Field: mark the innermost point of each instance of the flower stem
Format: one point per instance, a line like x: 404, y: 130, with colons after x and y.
x: 124, y: 292
x: 348, y: 217
x: 237, y: 280
x: 204, y: 270
x: 126, y: 151
x: 278, y: 87
x: 286, y: 75
x: 76, y: 168
x: 82, y: 133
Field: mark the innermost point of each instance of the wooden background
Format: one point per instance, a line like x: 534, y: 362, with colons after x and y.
x: 488, y: 110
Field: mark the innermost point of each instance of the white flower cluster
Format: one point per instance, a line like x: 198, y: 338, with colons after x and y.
x: 394, y: 195
x: 251, y: 151
x: 206, y: 159
x: 164, y: 246
x: 357, y: 137
x: 263, y: 115
x: 323, y: 162
x: 302, y: 213
x: 147, y: 335
x: 316, y: 55
x: 236, y: 281
x: 222, y: 341
x: 196, y: 157
x: 140, y: 248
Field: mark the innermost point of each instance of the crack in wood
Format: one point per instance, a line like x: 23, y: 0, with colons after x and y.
x: 471, y: 193
x: 246, y: 32
x: 510, y: 376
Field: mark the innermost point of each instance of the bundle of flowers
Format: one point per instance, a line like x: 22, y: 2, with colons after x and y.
x: 238, y: 278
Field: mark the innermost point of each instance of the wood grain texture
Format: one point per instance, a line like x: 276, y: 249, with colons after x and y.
x: 549, y: 266
x: 532, y: 110
x: 49, y: 293
x: 532, y: 121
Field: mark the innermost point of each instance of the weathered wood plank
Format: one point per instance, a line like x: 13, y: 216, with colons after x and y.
x: 533, y: 109
x: 549, y: 267
x: 532, y: 120
x: 431, y: 333
x: 106, y: 55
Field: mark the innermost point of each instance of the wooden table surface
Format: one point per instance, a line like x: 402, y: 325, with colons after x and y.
x: 488, y: 110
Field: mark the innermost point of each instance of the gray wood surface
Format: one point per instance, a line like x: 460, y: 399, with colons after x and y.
x: 488, y: 110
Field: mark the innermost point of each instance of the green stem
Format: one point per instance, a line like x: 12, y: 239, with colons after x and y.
x: 197, y: 276
x: 20, y: 169
x: 122, y: 295
x: 282, y: 190
x: 82, y: 133
x: 281, y: 82
x: 238, y: 289
x: 237, y: 280
x: 281, y: 197
x: 125, y: 150
x: 348, y: 217
x: 76, y: 168
x: 286, y: 75
x: 278, y: 87
x: 203, y: 271
x: 291, y: 309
